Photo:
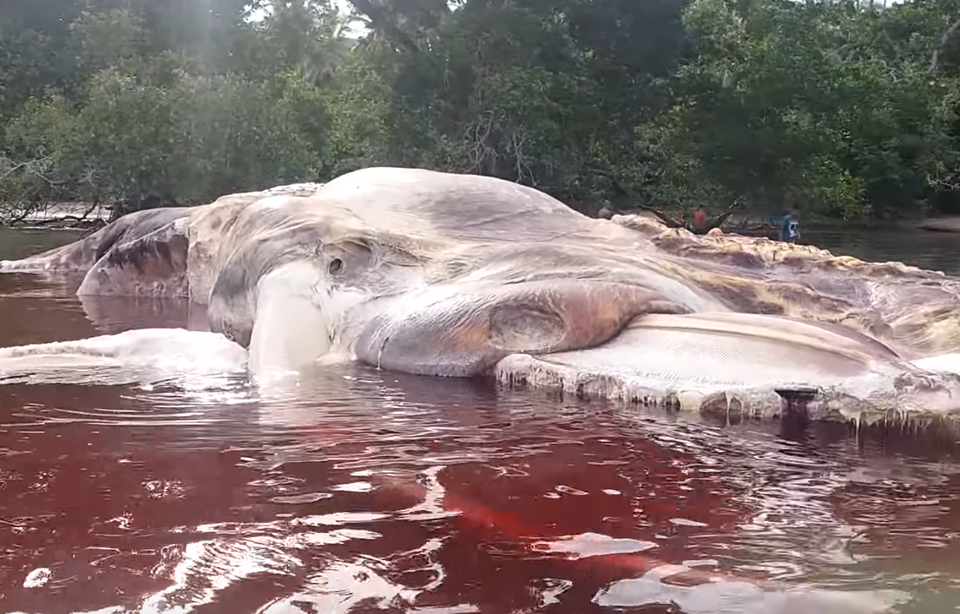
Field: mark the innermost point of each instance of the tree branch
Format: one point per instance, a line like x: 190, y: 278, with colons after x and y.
x: 935, y: 58
x: 381, y: 21
x: 670, y: 222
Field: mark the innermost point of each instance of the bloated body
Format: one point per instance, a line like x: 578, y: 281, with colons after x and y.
x: 462, y: 275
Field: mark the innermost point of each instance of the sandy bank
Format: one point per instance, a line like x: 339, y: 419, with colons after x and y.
x: 941, y: 224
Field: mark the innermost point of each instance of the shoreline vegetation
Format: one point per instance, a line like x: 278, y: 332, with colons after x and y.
x: 848, y: 110
x: 86, y: 216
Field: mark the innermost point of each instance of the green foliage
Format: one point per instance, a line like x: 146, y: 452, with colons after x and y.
x: 843, y: 109
x: 790, y: 104
x: 359, y: 132
x: 110, y: 38
x: 39, y: 142
x: 189, y: 140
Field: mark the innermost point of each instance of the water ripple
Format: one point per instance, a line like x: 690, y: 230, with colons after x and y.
x: 367, y: 491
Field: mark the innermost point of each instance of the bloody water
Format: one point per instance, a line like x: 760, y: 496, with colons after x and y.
x: 368, y: 491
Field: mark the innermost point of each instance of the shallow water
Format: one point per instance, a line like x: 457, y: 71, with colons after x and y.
x: 372, y: 492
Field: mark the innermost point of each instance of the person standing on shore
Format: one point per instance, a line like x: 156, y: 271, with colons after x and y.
x: 700, y: 220
x: 790, y: 226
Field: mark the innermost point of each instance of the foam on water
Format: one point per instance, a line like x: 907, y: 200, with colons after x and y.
x: 299, y: 318
x: 742, y: 597
x: 142, y: 355
x: 298, y: 326
x: 26, y: 265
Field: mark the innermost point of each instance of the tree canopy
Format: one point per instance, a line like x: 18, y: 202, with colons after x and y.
x: 845, y: 109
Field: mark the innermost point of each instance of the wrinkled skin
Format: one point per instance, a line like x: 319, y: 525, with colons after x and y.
x: 462, y: 275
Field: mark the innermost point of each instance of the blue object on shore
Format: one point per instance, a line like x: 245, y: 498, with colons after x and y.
x: 789, y: 229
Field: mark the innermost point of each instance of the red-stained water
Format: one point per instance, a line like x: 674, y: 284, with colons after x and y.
x: 367, y: 491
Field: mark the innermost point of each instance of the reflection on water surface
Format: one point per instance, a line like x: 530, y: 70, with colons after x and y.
x: 375, y: 492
